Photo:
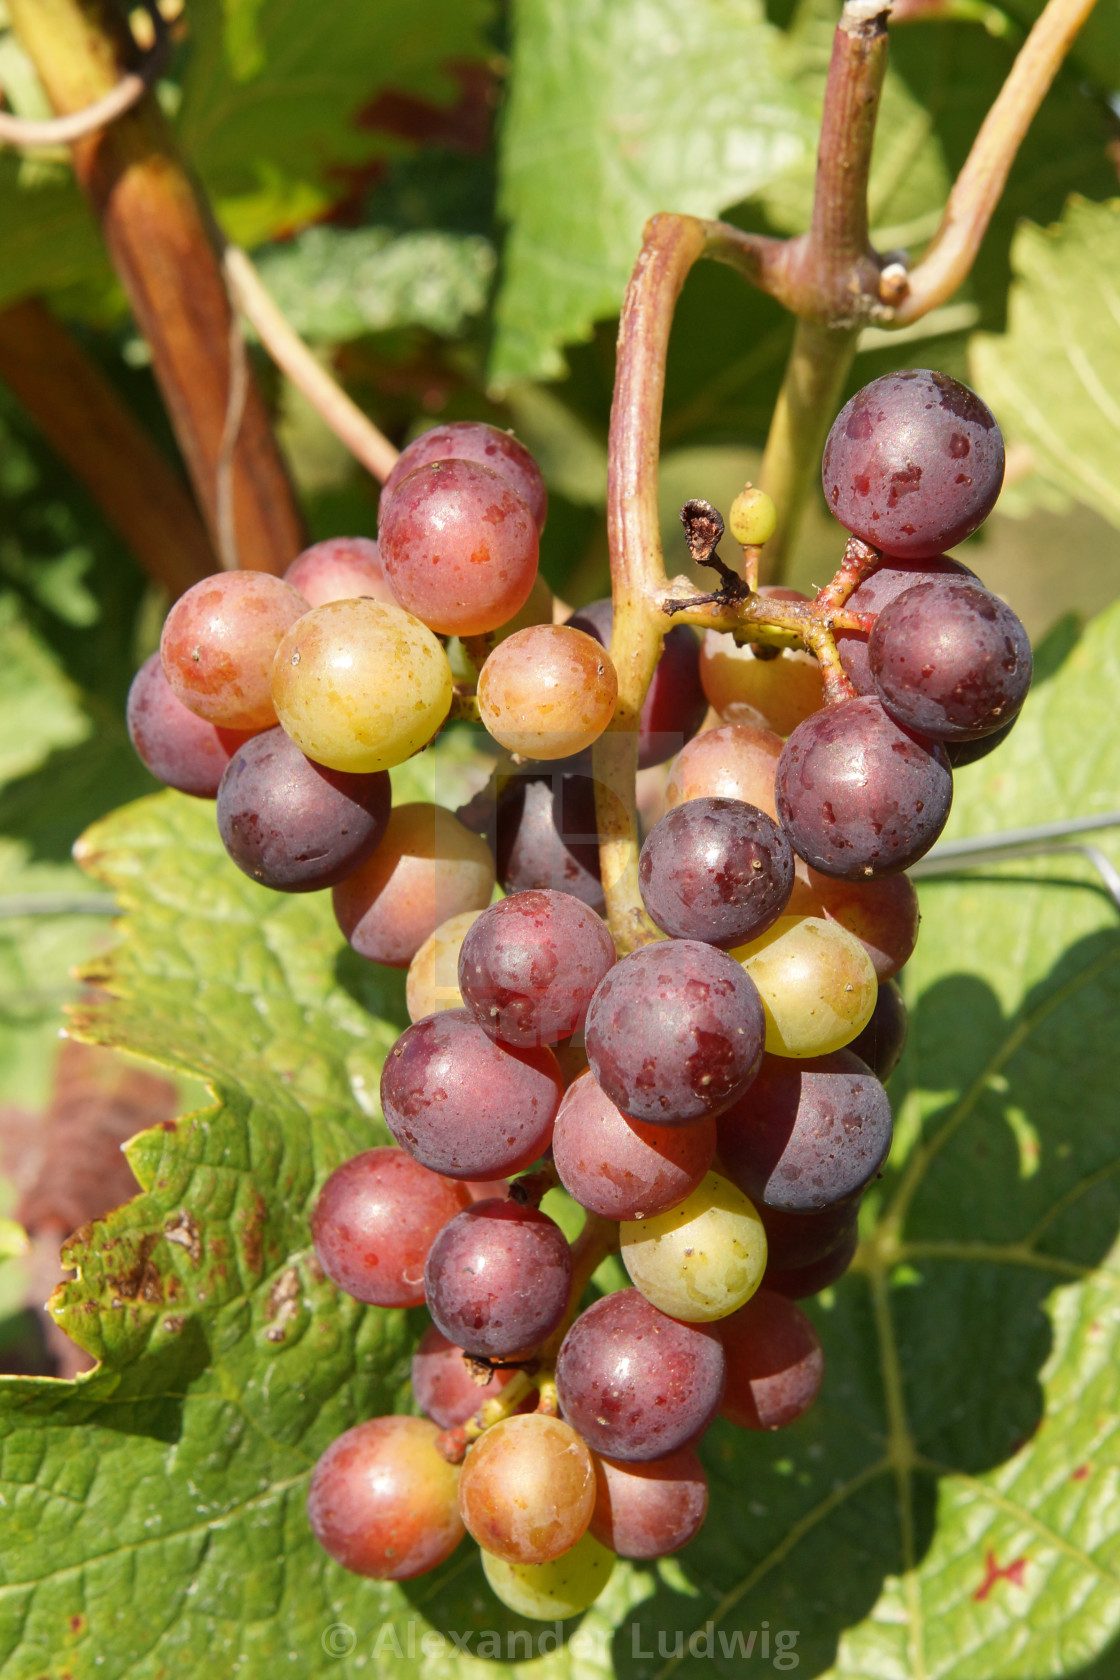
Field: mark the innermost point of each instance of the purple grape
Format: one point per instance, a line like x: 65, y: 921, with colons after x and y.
x: 675, y: 1032
x: 442, y: 1382
x: 775, y: 1364
x: 950, y: 660
x: 883, y: 1039
x: 544, y: 834
x: 675, y: 704
x: 530, y: 964
x: 960, y: 753
x: 464, y: 1106
x: 795, y: 1240
x: 808, y: 1134
x: 876, y: 593
x: 718, y: 870
x: 858, y: 795
x: 293, y: 825
x: 649, y: 1510
x: 180, y: 749
x: 800, y: 1281
x: 913, y: 463
x: 472, y: 440
x: 497, y: 1279
x: 636, y: 1384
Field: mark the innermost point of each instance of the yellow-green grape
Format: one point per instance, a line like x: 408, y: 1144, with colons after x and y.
x: 547, y: 692
x: 433, y: 974
x: 817, y: 985
x: 753, y: 518
x: 702, y: 1259
x: 360, y: 685
x: 551, y: 1592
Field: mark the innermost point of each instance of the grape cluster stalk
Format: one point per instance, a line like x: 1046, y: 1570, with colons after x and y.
x: 692, y: 1042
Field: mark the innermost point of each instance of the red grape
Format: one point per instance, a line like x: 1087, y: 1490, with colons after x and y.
x: 218, y: 644
x: 800, y: 1281
x: 383, y: 1502
x: 472, y: 440
x: 874, y: 594
x: 718, y: 870
x: 775, y: 1365
x: 339, y: 570
x: 649, y: 1510
x: 174, y: 743
x: 883, y: 1039
x: 529, y: 965
x: 374, y: 1221
x: 443, y: 1385
x: 622, y: 1168
x: 497, y: 1279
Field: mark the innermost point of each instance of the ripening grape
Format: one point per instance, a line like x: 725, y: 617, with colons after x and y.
x: 551, y: 1592
x: 374, y: 1222
x: 858, y: 795
x: 801, y: 1281
x: 544, y: 833
x: 649, y: 1510
x: 547, y: 692
x: 675, y: 704
x: 218, y: 644
x: 913, y: 463
x: 816, y: 982
x: 672, y: 1034
x: 717, y: 870
x: 769, y: 693
x: 951, y: 660
x: 622, y: 1168
x: 527, y: 1489
x: 383, y: 1502
x: 433, y: 973
x: 472, y: 440
x: 293, y: 825
x: 530, y: 964
x: 360, y: 686
x: 775, y: 1365
x: 808, y: 1134
x: 497, y: 1279
x: 636, y: 1384
x: 339, y: 570
x: 175, y: 744
x: 874, y: 594
x: 882, y: 914
x: 883, y: 1039
x: 465, y: 1106
x: 427, y: 868
x: 703, y: 1258
x: 442, y: 1382
x: 459, y: 547
x: 738, y: 761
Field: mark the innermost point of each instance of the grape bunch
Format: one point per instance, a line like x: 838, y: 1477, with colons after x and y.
x: 712, y: 1099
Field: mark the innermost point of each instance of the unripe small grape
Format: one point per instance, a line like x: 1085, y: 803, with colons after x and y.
x: 547, y: 692
x: 753, y: 518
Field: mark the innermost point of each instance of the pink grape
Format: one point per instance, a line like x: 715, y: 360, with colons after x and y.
x: 622, y: 1168
x: 530, y: 964
x: 374, y: 1222
x: 218, y: 644
x: 383, y: 1502
x: 174, y: 743
x: 472, y: 440
x: 339, y: 570
x: 649, y: 1510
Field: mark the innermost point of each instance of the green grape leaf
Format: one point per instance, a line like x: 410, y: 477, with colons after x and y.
x: 48, y: 239
x: 1053, y: 377
x: 337, y: 283
x: 617, y: 111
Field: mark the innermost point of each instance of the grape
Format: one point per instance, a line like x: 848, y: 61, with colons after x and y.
x: 572, y: 1058
x: 858, y: 795
x: 497, y: 1279
x: 635, y: 1384
x: 673, y: 1033
x: 442, y: 1383
x: 360, y: 686
x: 459, y: 546
x: 174, y: 743
x: 960, y: 753
x: 775, y: 1365
x: 472, y: 440
x: 703, y: 1258
x: 465, y: 1106
x: 816, y: 983
x: 675, y: 704
x: 649, y: 1510
x: 383, y: 1502
x: 433, y: 973
x: 882, y: 914
x: 339, y: 570
x: 545, y: 834
x: 795, y: 1240
x: 293, y: 825
x: 874, y: 594
x: 752, y: 517
x: 527, y: 1489
x: 717, y: 870
x: 374, y: 1221
x: 800, y: 1281
x: 950, y: 660
x: 621, y: 1168
x: 428, y: 868
x: 548, y: 1592
x: 735, y: 762
x: 529, y: 966
x: 547, y: 692
x: 769, y: 693
x: 218, y: 644
x: 913, y: 463
x: 883, y: 1039
x: 808, y: 1134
